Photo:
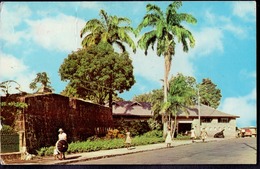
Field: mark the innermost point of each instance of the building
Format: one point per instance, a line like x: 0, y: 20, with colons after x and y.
x: 38, y: 123
x: 129, y: 110
x: 209, y: 118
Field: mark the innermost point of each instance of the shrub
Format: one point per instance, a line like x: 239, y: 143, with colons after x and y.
x: 92, y: 138
x: 113, y: 133
x: 136, y: 127
x: 154, y: 133
x: 106, y: 144
x: 154, y: 124
x: 183, y: 137
x: 143, y: 140
x: 42, y: 151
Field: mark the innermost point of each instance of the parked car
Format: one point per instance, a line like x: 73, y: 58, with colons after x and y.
x: 253, y: 131
x: 248, y: 132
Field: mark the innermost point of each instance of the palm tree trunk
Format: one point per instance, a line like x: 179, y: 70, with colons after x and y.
x: 164, y: 120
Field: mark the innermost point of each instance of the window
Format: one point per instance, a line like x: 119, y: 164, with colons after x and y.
x: 206, y: 120
x: 223, y: 120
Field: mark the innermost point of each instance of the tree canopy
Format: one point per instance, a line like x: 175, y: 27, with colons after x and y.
x: 110, y: 29
x: 43, y: 79
x: 96, y: 71
x: 210, y: 95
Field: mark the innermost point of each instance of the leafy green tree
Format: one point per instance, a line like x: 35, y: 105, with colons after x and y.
x: 96, y: 71
x: 44, y: 80
x: 146, y: 97
x: 180, y: 97
x: 111, y: 29
x: 155, y: 97
x: 166, y: 28
x: 209, y: 94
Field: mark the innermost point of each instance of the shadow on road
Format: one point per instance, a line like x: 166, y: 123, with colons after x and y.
x: 250, y: 146
x: 74, y: 157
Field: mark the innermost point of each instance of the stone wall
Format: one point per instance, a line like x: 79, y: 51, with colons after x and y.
x: 46, y: 113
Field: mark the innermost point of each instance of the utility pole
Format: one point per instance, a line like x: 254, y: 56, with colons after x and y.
x: 199, y: 106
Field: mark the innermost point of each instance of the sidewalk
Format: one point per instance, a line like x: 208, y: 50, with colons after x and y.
x: 70, y: 158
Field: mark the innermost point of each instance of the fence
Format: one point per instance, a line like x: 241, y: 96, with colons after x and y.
x: 9, y: 143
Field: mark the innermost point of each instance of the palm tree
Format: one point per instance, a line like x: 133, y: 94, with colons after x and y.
x: 180, y: 98
x: 108, y: 29
x: 44, y: 80
x: 166, y: 28
x: 6, y: 87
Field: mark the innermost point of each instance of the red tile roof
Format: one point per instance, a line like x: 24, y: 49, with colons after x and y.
x: 129, y: 108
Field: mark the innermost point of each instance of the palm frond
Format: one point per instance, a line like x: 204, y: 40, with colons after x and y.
x: 147, y: 39
x: 185, y: 47
x: 93, y: 25
x: 187, y: 18
x: 88, y: 40
x: 174, y: 5
x: 155, y: 9
x: 160, y: 47
x: 120, y: 45
x: 148, y: 20
x: 124, y: 20
x: 160, y: 27
x: 104, y: 16
x: 127, y: 39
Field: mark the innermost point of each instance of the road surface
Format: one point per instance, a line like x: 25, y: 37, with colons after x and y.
x: 231, y: 151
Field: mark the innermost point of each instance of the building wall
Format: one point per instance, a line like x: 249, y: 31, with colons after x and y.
x: 214, y: 127
x: 46, y: 113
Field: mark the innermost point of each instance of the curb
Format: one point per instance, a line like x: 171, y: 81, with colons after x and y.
x: 107, y: 156
x: 119, y: 154
x: 179, y: 143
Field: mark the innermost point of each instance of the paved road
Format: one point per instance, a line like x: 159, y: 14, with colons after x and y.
x: 232, y: 151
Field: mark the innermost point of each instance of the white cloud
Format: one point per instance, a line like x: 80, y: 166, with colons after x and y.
x: 10, y: 19
x: 225, y: 24
x: 93, y: 5
x: 236, y: 30
x: 243, y: 106
x: 61, y: 33
x: 244, y: 73
x: 151, y: 66
x: 12, y: 68
x: 25, y: 79
x: 245, y: 10
x: 208, y: 40
x: 210, y: 17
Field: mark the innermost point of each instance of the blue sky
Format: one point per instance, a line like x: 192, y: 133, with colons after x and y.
x: 37, y: 36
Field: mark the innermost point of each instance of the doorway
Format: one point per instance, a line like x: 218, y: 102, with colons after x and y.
x: 183, y: 127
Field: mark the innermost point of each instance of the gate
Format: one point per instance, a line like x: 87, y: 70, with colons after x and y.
x: 9, y: 143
